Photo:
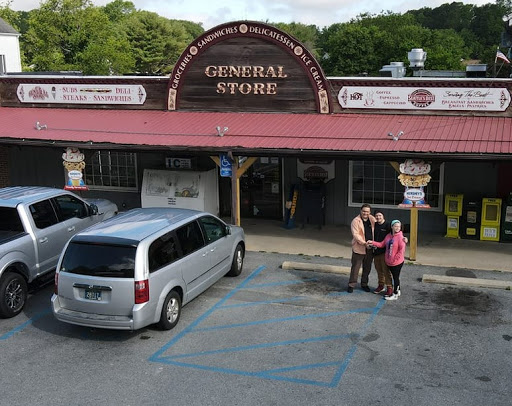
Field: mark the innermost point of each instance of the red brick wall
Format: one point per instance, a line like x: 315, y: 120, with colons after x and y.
x: 4, y: 166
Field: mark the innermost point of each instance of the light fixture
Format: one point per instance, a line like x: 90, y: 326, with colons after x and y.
x: 40, y: 126
x: 220, y: 132
x: 396, y: 137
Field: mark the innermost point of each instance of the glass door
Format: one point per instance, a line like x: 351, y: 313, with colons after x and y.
x: 260, y: 189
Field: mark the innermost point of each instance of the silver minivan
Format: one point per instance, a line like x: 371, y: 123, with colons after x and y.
x: 140, y: 267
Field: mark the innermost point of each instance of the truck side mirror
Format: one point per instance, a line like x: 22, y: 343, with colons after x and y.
x: 93, y: 209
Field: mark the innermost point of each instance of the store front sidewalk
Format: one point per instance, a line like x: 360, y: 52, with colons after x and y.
x: 335, y: 241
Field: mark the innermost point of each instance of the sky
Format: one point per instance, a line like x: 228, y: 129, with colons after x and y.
x: 321, y: 13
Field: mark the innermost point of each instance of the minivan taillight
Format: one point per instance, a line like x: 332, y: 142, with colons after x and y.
x: 141, y: 291
x: 56, y: 286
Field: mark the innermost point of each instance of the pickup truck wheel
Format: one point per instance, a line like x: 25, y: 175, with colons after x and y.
x: 13, y: 294
x: 238, y: 262
x: 171, y: 311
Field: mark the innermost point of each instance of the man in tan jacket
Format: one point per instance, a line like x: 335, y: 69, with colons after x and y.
x: 362, y: 230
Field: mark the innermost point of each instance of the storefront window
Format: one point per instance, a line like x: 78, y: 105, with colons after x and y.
x: 376, y: 183
x: 111, y: 170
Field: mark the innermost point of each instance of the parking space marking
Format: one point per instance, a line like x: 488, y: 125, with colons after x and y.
x: 340, y: 366
x: 263, y: 302
x: 283, y: 283
x: 283, y: 319
x: 22, y: 326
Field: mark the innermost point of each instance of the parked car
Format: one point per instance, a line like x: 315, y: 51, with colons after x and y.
x: 35, y: 225
x: 140, y: 267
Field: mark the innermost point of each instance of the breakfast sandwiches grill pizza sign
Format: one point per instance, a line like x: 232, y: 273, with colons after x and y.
x: 413, y: 98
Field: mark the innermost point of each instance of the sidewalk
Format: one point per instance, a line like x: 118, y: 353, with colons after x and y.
x: 335, y: 241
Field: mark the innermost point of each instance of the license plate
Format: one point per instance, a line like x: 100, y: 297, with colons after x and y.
x: 92, y: 294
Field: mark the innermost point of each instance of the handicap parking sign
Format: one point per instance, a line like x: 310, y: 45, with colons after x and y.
x: 225, y: 166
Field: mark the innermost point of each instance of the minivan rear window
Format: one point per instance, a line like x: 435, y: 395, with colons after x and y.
x: 101, y: 260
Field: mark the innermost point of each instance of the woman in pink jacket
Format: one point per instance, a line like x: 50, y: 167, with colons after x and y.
x: 394, y: 256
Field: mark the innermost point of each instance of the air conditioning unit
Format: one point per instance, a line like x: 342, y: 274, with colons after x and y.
x: 478, y: 70
x: 394, y: 70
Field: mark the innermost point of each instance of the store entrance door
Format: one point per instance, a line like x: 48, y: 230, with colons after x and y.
x: 261, y: 190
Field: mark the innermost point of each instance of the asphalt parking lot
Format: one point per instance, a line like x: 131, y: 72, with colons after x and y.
x: 277, y: 337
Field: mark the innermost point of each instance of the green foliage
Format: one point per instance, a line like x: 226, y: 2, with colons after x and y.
x: 307, y: 34
x: 155, y: 42
x: 118, y: 39
x: 73, y: 35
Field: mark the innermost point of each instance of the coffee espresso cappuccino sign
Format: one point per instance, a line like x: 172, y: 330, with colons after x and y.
x: 428, y: 98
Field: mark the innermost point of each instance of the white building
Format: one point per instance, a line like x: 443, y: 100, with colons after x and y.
x: 10, y: 58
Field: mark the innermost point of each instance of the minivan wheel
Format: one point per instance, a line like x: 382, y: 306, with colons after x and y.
x: 238, y: 262
x: 13, y: 294
x: 171, y: 311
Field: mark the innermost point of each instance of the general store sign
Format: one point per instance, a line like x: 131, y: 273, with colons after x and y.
x: 431, y: 98
x: 81, y: 94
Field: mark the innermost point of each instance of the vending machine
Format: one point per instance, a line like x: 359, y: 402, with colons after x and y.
x: 491, y: 216
x: 470, y: 221
x: 453, y: 211
x: 506, y: 220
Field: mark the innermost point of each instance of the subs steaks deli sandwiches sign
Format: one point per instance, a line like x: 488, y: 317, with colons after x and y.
x: 81, y: 94
x: 246, y: 61
x: 413, y: 98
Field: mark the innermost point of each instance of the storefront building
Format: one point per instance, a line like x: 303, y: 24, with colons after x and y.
x: 246, y: 91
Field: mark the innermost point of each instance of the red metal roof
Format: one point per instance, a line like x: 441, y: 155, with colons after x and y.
x: 464, y: 135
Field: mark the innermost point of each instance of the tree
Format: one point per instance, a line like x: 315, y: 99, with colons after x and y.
x: 118, y: 10
x: 306, y: 34
x: 348, y: 50
x: 73, y: 35
x: 155, y: 42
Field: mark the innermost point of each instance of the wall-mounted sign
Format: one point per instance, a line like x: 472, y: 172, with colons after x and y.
x: 249, y: 66
x: 226, y: 169
x: 178, y: 163
x: 81, y: 94
x: 73, y: 161
x: 431, y: 98
x: 315, y: 169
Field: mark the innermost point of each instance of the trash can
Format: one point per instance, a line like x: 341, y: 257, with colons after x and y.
x: 506, y: 220
x: 470, y: 221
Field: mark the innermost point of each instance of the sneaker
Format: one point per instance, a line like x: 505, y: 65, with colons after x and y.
x: 389, y: 292
x: 379, y: 289
x: 392, y: 297
x: 366, y: 288
x: 350, y: 289
x: 398, y: 293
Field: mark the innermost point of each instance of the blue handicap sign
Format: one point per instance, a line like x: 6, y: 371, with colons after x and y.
x: 225, y: 166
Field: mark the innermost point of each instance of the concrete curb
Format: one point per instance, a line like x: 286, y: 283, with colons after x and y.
x: 454, y: 280
x: 306, y: 266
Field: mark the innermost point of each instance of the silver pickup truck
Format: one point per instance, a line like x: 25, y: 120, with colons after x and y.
x: 35, y: 225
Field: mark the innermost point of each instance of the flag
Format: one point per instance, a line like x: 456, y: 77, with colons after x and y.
x: 501, y: 56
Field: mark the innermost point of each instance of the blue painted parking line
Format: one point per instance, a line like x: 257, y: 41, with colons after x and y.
x: 257, y: 346
x: 22, y: 326
x: 200, y: 319
x: 283, y: 319
x: 283, y: 283
x: 262, y: 302
x: 283, y: 373
x: 357, y: 292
